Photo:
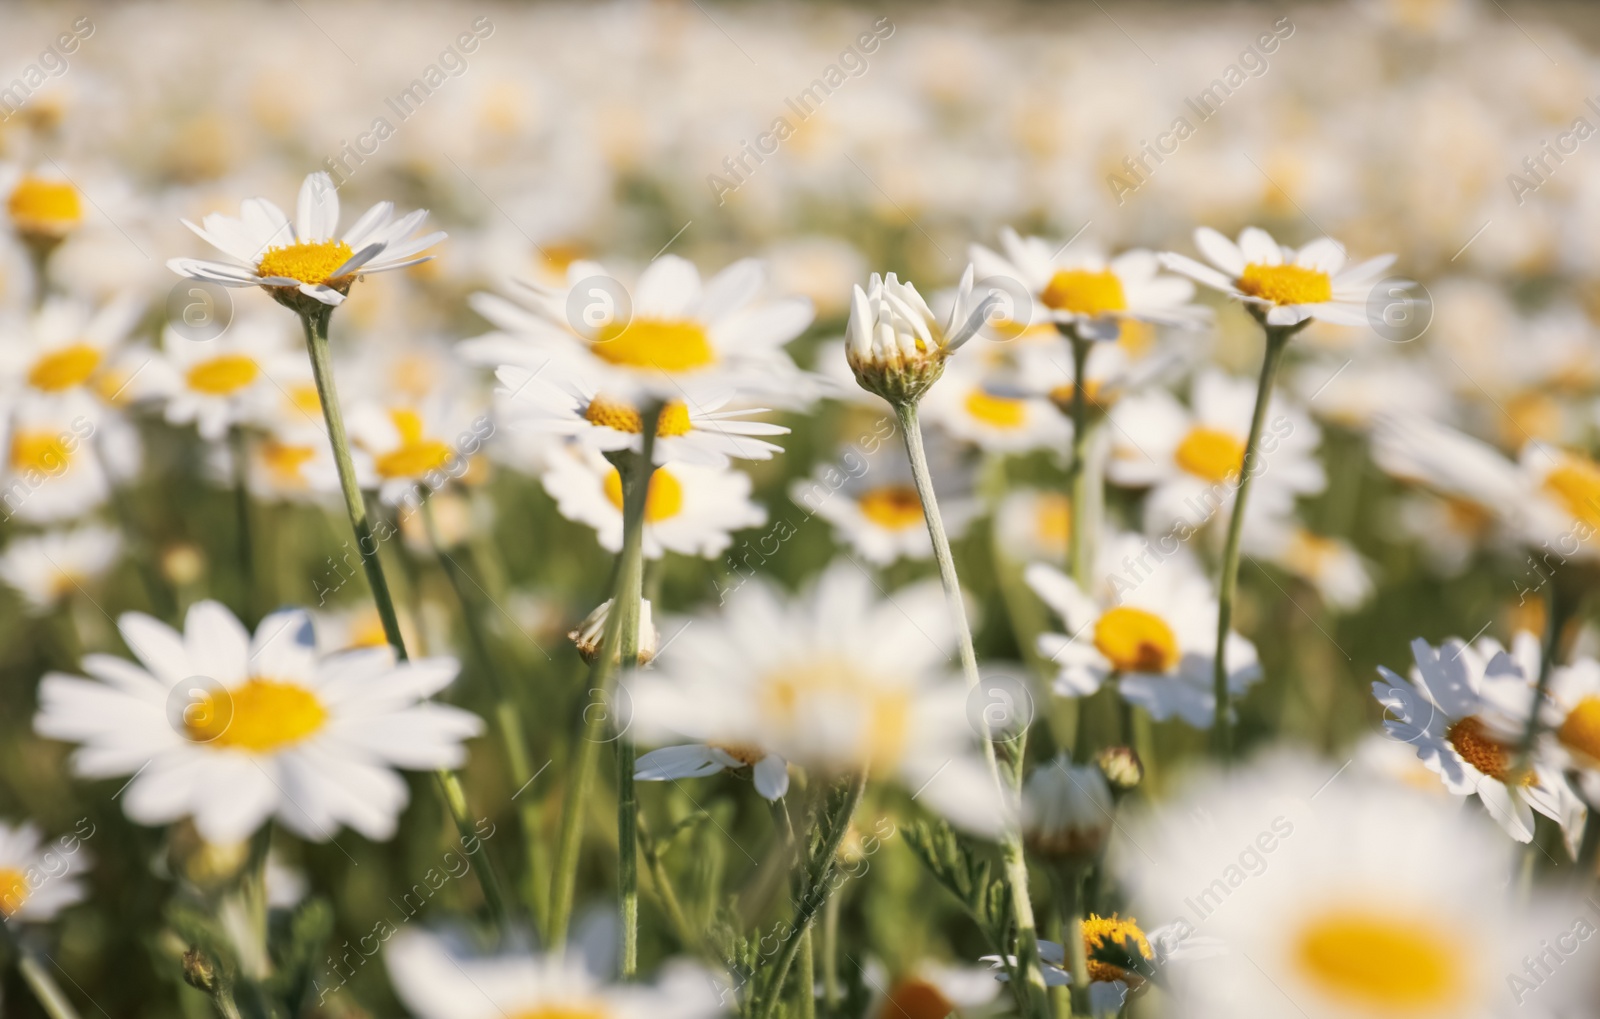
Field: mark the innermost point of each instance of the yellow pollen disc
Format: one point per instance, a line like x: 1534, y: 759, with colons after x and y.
x: 1098, y: 930
x: 305, y: 399
x: 44, y: 206
x: 1084, y: 293
x: 417, y: 454
x: 910, y: 998
x: 1136, y: 337
x: 260, y: 715
x: 893, y: 507
x: 13, y: 891
x: 1576, y: 484
x: 1471, y: 739
x: 1105, y: 973
x: 996, y: 411
x: 1580, y: 732
x: 1052, y: 521
x: 223, y: 375
x: 43, y: 452
x: 1134, y: 640
x: 310, y: 262
x: 1310, y: 554
x: 652, y: 343
x: 664, y: 500
x: 65, y: 368
x: 565, y: 1010
x: 797, y: 698
x: 1385, y: 965
x: 747, y: 756
x: 1286, y: 284
x: 284, y: 461
x: 1211, y: 453
x: 624, y: 417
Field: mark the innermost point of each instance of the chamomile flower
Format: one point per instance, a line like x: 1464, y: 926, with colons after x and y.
x: 1341, y: 895
x: 1151, y: 623
x: 435, y: 981
x: 895, y: 344
x: 670, y: 334
x: 67, y: 352
x: 419, y: 448
x: 290, y: 466
x: 931, y: 990
x: 304, y: 257
x: 48, y: 568
x: 231, y: 379
x: 1074, y: 286
x: 37, y: 881
x: 969, y: 407
x: 1464, y: 709
x: 1571, y: 723
x: 834, y: 680
x: 690, y: 509
x: 231, y: 730
x: 696, y: 432
x: 1191, y: 458
x: 1046, y: 370
x: 43, y: 208
x: 1286, y: 285
x: 873, y: 505
x: 52, y: 470
x: 1331, y: 565
x: 769, y: 772
x: 1034, y: 524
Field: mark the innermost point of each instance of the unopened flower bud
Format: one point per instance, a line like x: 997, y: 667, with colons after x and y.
x: 1067, y: 811
x: 895, y: 346
x: 590, y: 634
x: 1122, y: 768
x: 182, y: 564
x: 199, y: 972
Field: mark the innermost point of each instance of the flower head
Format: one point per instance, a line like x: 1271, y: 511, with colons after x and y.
x: 896, y: 346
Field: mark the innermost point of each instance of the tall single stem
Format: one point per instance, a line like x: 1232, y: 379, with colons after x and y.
x: 508, y: 716
x: 1559, y: 611
x: 1277, y: 340
x: 44, y: 987
x: 1016, y: 867
x: 455, y: 798
x: 1077, y: 954
x: 239, y: 442
x: 1083, y: 497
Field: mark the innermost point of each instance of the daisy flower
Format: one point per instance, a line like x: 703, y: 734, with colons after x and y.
x: 700, y: 431
x: 1067, y: 811
x: 68, y: 352
x: 873, y: 505
x: 47, y: 568
x: 1034, y: 524
x: 769, y: 772
x: 931, y: 990
x: 894, y: 342
x: 1570, y: 716
x: 1046, y: 370
x: 834, y: 680
x: 304, y: 257
x: 690, y: 509
x: 43, y: 209
x: 1151, y: 623
x: 231, y: 379
x: 231, y: 730
x: 291, y: 466
x: 670, y: 334
x: 1331, y: 565
x: 1335, y: 896
x: 1081, y: 288
x: 969, y: 407
x: 1191, y: 458
x: 1282, y: 285
x: 38, y: 881
x: 52, y: 470
x: 418, y: 448
x: 434, y: 981
x: 1464, y: 709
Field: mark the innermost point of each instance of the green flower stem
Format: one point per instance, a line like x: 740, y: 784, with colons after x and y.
x: 1559, y: 611
x: 455, y: 798
x: 628, y: 575
x: 1072, y: 885
x: 662, y: 882
x: 831, y: 993
x: 816, y: 893
x: 1277, y: 340
x: 1016, y: 867
x: 44, y: 987
x: 1082, y: 481
x: 239, y: 446
x: 508, y: 716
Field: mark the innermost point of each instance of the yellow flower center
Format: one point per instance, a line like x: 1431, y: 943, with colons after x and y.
x: 1471, y: 739
x: 1211, y: 453
x: 797, y: 699
x: 65, y: 368
x: 624, y: 417
x: 664, y: 500
x: 224, y: 375
x: 672, y: 346
x: 1134, y: 640
x: 1063, y: 395
x: 1310, y: 554
x: 1286, y: 284
x: 260, y: 715
x: 1382, y: 964
x: 1083, y: 292
x: 305, y: 398
x: 1123, y: 932
x: 565, y: 1010
x: 1136, y: 337
x: 893, y: 507
x: 746, y: 755
x: 911, y: 998
x: 13, y: 891
x: 1580, y: 732
x: 43, y: 452
x: 44, y: 206
x: 309, y: 261
x: 417, y: 454
x: 1052, y: 520
x: 996, y: 411
x: 284, y: 461
x: 1576, y: 485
